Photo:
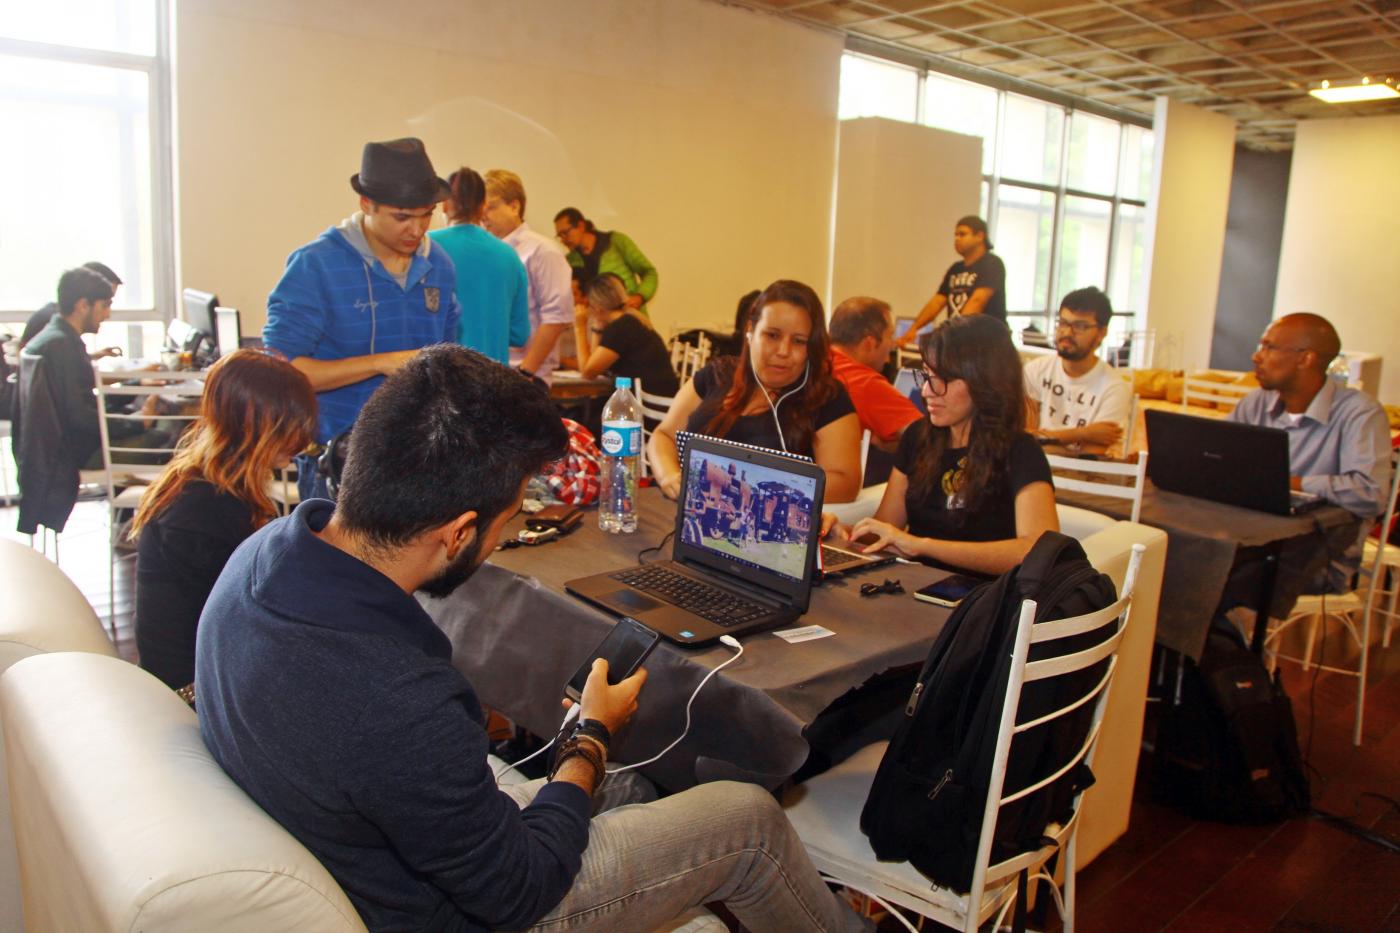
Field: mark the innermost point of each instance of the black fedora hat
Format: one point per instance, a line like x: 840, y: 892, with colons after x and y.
x: 399, y: 173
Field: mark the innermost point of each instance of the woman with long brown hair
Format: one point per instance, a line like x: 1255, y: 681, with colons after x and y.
x: 257, y: 411
x: 778, y: 393
x: 970, y: 487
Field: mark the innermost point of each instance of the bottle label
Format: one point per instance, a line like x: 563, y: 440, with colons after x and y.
x: 622, y: 439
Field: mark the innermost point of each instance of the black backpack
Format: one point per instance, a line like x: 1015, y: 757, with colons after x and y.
x: 1227, y: 748
x: 925, y: 805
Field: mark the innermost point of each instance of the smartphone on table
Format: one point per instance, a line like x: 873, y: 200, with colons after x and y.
x: 625, y: 648
x: 950, y: 590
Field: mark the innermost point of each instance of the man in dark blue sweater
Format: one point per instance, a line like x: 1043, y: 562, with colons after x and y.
x: 328, y: 694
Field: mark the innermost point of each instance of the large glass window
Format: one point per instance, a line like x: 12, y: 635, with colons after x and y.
x: 962, y: 107
x: 1025, y: 222
x: 1064, y: 192
x: 1030, y: 146
x: 84, y: 85
x: 872, y: 88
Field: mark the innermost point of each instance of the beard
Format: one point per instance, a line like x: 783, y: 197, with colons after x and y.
x: 1074, y: 353
x: 455, y: 573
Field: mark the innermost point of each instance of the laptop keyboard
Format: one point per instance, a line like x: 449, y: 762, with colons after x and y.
x: 834, y: 558
x: 709, y: 602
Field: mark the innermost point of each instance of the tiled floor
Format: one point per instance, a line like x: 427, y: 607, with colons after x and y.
x: 1169, y: 872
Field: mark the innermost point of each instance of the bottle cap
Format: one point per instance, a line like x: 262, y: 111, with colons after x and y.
x: 623, y: 382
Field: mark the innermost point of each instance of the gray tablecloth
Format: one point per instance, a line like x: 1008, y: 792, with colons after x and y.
x: 1206, y: 539
x: 518, y: 637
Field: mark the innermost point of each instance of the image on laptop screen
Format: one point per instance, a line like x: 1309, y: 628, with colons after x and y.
x: 755, y: 515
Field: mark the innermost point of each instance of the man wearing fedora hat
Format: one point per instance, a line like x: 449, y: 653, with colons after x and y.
x: 361, y: 299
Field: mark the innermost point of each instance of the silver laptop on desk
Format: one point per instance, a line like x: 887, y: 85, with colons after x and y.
x: 744, y: 551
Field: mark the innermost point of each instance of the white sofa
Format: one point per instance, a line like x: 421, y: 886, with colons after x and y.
x: 43, y: 612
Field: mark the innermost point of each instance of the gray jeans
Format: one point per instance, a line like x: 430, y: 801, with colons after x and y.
x: 646, y: 863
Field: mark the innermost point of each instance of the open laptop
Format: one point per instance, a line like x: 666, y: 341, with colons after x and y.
x: 1244, y: 465
x: 744, y: 552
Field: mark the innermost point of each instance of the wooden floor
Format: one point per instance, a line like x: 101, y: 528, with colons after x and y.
x: 1169, y: 872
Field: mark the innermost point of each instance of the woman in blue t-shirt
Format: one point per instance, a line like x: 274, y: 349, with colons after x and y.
x: 970, y: 487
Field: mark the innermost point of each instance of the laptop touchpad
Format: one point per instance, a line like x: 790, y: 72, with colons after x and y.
x: 630, y: 600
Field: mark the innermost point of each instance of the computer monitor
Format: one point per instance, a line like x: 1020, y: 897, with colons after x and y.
x: 228, y: 332
x: 199, y: 313
x: 902, y: 325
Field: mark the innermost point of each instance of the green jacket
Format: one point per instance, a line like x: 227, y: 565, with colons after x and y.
x: 622, y: 258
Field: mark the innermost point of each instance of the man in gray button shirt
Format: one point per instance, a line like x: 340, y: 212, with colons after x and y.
x: 1338, y: 438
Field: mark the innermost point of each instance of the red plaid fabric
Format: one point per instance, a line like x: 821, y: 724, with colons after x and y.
x: 573, y: 480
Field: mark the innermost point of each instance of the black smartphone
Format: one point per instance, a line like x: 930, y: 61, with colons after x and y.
x: 950, y: 590
x: 626, y: 647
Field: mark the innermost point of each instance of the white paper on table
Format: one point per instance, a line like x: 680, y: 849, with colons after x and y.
x: 803, y: 633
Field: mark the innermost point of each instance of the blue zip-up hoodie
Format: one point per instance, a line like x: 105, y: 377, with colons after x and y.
x: 336, y: 300
x: 327, y: 693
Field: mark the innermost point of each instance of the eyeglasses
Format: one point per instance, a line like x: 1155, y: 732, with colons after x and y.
x: 1266, y: 347
x: 889, y: 586
x: 1079, y: 327
x: 938, y: 385
x: 560, y: 234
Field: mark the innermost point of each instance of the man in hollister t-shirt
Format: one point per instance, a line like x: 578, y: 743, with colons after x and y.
x: 1083, y: 403
x: 976, y: 284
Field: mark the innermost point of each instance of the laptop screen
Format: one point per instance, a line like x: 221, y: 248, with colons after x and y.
x: 755, y: 515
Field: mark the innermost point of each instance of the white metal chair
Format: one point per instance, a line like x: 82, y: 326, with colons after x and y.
x: 1387, y: 582
x: 1068, y: 473
x: 1200, y: 390
x: 686, y: 357
x: 283, y: 490
x: 825, y: 810
x: 867, y: 500
x: 654, y: 409
x: 1352, y: 610
x: 129, y: 470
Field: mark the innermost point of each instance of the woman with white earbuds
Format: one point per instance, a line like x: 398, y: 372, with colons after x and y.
x: 778, y: 393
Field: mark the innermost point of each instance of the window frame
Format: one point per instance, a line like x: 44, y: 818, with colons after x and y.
x: 1059, y: 190
x: 157, y: 69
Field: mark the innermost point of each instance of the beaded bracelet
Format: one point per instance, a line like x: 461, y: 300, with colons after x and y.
x: 587, y: 751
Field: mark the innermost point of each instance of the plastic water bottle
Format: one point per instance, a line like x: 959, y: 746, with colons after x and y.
x: 622, y: 454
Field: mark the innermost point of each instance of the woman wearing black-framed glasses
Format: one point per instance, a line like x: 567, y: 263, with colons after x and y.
x: 970, y: 488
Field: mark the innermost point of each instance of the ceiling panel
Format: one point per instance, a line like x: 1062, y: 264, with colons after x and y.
x: 1251, y: 59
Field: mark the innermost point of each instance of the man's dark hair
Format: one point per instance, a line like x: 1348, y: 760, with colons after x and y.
x: 450, y: 432
x: 105, y: 271
x: 976, y: 225
x: 1089, y: 299
x: 575, y: 217
x: 857, y: 318
x: 77, y: 284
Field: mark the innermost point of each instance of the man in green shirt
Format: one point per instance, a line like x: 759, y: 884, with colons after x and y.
x: 599, y: 252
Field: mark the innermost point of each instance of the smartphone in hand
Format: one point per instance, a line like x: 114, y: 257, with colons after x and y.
x: 626, y: 647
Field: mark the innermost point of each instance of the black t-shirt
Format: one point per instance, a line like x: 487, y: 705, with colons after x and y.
x: 928, y: 509
x: 961, y: 280
x: 641, y: 354
x: 179, y: 555
x: 37, y: 322
x: 712, y: 382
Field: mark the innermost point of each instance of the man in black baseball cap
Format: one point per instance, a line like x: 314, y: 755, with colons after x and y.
x: 361, y: 299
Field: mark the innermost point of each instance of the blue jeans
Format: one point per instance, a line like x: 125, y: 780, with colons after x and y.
x: 724, y: 841
x: 310, y: 483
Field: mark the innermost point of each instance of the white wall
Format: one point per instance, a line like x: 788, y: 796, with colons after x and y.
x: 1189, y: 203
x: 1341, y: 236
x: 706, y: 133
x: 900, y: 189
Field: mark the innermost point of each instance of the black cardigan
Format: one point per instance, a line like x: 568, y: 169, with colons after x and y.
x: 179, y: 555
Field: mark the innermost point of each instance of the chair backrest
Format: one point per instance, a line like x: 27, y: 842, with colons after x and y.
x: 1069, y: 474
x: 1131, y: 431
x: 137, y: 445
x: 1110, y: 622
x: 1376, y: 570
x: 1204, y: 388
x: 44, y: 612
x: 130, y: 824
x: 654, y: 409
x: 687, y: 357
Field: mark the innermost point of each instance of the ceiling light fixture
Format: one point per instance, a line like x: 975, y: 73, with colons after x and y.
x: 1351, y: 93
